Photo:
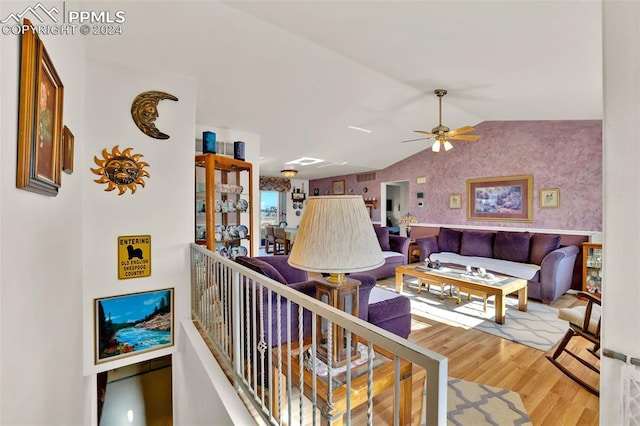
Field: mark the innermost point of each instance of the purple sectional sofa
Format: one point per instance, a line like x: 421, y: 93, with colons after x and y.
x: 378, y: 306
x: 395, y: 250
x: 536, y: 257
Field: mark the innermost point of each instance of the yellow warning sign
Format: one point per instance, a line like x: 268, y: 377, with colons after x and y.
x: 134, y: 256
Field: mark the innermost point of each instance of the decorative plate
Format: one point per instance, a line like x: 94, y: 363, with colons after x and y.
x: 242, y: 231
x: 242, y: 205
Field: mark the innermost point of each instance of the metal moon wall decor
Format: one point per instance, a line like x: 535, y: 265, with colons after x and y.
x: 120, y: 170
x: 144, y: 111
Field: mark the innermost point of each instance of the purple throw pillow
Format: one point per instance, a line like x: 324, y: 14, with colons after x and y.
x: 477, y: 244
x: 261, y: 267
x: 382, y: 232
x: 512, y: 246
x: 542, y: 245
x: 449, y: 240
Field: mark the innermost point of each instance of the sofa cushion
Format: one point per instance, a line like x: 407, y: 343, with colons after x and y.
x: 262, y: 267
x: 382, y: 232
x: 542, y: 245
x: 477, y: 244
x: 512, y: 246
x: 449, y: 240
x: 387, y: 254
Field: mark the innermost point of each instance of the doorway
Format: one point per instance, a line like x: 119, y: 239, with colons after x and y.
x: 137, y: 394
x: 395, y: 201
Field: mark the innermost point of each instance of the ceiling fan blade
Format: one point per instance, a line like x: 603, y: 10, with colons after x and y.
x: 465, y: 129
x: 413, y: 140
x: 424, y: 132
x: 470, y: 138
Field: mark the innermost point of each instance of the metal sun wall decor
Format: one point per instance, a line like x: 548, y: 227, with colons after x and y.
x: 120, y: 170
x: 144, y: 111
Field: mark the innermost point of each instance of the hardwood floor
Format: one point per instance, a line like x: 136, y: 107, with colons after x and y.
x: 550, y: 397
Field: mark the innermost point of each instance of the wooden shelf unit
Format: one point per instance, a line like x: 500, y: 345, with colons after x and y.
x: 218, y: 179
x: 592, y: 267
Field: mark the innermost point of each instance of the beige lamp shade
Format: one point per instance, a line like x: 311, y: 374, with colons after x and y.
x: 336, y: 236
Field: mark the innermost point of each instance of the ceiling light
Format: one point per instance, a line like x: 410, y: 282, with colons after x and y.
x: 305, y: 161
x: 436, y: 146
x: 447, y: 145
x: 360, y: 129
x: 289, y: 173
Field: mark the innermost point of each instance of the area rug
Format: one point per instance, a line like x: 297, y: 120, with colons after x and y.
x: 538, y: 328
x: 477, y: 404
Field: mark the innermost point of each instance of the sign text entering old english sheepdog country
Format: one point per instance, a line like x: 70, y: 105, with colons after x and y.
x: 134, y: 256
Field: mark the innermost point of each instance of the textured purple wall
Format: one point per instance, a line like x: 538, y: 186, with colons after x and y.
x: 558, y: 154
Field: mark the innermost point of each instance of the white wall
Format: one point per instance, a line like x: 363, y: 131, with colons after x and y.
x: 41, y: 356
x: 621, y: 291
x: 202, y: 392
x: 163, y: 208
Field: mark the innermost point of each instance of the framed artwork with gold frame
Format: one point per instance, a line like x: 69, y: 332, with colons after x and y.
x: 455, y: 201
x: 550, y: 197
x: 40, y: 118
x: 67, y: 150
x: 134, y: 323
x: 501, y: 198
x: 338, y: 187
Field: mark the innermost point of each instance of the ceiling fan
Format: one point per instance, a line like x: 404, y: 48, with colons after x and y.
x: 442, y: 134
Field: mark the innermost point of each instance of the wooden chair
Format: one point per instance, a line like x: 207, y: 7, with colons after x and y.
x: 584, y: 321
x: 269, y: 240
x: 282, y: 244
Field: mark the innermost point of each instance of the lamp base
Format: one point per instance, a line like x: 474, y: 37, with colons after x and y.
x: 342, y: 295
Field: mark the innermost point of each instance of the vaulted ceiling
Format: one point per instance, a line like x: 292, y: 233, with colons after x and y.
x: 299, y: 72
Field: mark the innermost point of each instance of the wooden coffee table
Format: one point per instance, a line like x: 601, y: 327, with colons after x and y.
x: 454, y: 277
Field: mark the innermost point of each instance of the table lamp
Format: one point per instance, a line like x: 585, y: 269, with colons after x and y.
x: 336, y: 237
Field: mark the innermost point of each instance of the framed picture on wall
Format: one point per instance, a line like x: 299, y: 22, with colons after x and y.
x: 500, y: 198
x: 40, y: 118
x: 132, y: 324
x: 67, y: 150
x: 455, y: 201
x: 550, y: 197
x: 338, y: 187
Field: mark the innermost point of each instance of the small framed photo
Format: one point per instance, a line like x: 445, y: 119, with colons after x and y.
x: 67, y: 150
x: 550, y: 197
x: 455, y: 201
x: 132, y: 324
x: 338, y: 187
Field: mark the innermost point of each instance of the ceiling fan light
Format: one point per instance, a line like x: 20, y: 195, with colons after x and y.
x: 289, y: 172
x: 447, y: 145
x: 436, y: 146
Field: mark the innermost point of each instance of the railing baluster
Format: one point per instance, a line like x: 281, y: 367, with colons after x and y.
x: 370, y: 355
x: 314, y: 378
x: 301, y: 361
x: 396, y: 390
x: 348, y: 412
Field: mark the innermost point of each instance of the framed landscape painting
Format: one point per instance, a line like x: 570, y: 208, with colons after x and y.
x: 132, y: 324
x: 501, y: 198
x: 338, y: 187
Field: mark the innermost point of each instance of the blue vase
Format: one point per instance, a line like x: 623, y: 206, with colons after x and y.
x: 208, y: 142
